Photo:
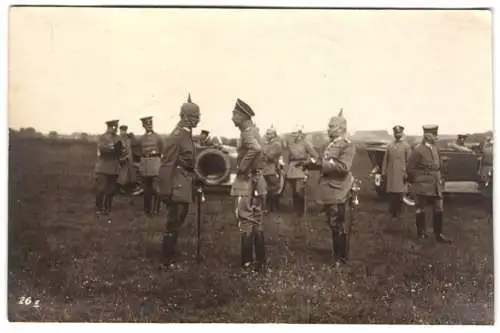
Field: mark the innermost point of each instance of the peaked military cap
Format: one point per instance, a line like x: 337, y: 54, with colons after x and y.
x: 123, y: 127
x: 398, y: 129
x: 147, y: 119
x: 430, y: 128
x: 112, y: 122
x: 205, y: 132
x: 244, y: 108
x: 463, y: 136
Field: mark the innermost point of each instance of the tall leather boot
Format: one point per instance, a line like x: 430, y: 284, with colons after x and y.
x: 438, y: 228
x: 154, y: 204
x: 169, y: 245
x: 147, y: 203
x: 276, y: 202
x: 99, y: 202
x: 300, y: 205
x: 260, y: 250
x: 266, y: 206
x: 420, y: 223
x: 109, y: 202
x: 247, y: 243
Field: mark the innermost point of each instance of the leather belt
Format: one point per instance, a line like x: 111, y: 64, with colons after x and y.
x: 151, y: 155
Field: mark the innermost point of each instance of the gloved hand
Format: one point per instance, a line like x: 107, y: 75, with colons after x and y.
x: 198, y: 182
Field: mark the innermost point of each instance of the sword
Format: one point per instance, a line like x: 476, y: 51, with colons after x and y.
x: 200, y: 198
x: 353, y: 203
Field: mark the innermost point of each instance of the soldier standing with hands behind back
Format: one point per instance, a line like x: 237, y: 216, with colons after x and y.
x: 108, y: 163
x: 151, y: 148
x: 177, y: 175
x: 249, y: 187
x: 394, y: 171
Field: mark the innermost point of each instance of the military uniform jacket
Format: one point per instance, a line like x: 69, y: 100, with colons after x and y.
x: 424, y: 171
x: 394, y: 166
x: 249, y: 159
x: 151, y: 148
x: 271, y: 153
x: 336, y: 178
x: 298, y: 151
x: 151, y: 144
x: 177, y: 166
x: 107, y: 157
x: 127, y: 148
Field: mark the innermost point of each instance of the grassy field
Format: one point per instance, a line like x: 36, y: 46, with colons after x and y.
x: 75, y: 268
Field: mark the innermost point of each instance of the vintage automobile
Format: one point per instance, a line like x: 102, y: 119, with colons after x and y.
x: 216, y: 167
x: 463, y: 172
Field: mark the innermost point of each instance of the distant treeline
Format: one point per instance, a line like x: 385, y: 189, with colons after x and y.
x: 318, y: 139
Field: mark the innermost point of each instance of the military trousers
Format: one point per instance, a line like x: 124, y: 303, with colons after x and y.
x: 127, y: 174
x: 249, y: 213
x: 105, y: 191
x: 273, y: 184
x: 298, y: 187
x: 435, y: 201
x: 395, y: 204
x: 336, y: 219
x: 151, y: 197
x: 176, y: 215
x: 437, y: 206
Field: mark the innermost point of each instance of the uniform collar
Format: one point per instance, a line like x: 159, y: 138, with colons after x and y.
x: 187, y: 129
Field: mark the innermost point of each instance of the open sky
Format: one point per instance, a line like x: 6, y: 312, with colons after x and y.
x: 71, y: 69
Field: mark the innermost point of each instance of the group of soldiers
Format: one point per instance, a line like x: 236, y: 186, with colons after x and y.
x: 167, y: 168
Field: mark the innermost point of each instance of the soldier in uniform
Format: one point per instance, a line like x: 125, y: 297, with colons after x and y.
x: 394, y: 170
x: 205, y: 139
x: 424, y: 174
x: 106, y: 169
x: 126, y: 175
x: 151, y: 148
x: 335, y: 182
x: 299, y: 151
x: 177, y: 175
x: 249, y: 187
x: 271, y: 152
x: 459, y: 144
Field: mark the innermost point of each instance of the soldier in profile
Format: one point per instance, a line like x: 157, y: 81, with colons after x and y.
x: 109, y: 149
x: 177, y: 176
x: 249, y: 188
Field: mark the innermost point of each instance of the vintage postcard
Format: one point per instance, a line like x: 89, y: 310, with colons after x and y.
x: 250, y: 165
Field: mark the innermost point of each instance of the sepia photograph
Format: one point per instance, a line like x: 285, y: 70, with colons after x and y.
x: 250, y: 165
